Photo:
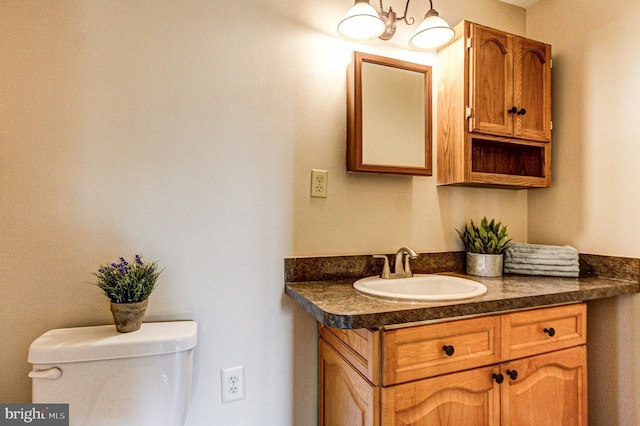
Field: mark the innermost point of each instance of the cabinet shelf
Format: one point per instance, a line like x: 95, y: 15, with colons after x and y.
x: 507, y: 158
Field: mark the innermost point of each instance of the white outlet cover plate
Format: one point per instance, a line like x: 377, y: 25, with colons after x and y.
x: 232, y: 380
x: 319, y: 183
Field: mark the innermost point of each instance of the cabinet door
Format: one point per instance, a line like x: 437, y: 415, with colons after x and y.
x: 549, y: 389
x: 469, y: 398
x: 532, y: 89
x: 344, y: 396
x: 491, y: 81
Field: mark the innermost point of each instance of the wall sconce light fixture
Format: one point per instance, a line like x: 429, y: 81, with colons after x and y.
x: 362, y: 22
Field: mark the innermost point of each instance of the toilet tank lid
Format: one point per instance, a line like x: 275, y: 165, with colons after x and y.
x: 103, y: 342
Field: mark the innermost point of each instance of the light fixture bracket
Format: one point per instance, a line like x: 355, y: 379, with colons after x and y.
x: 390, y: 18
x: 431, y: 12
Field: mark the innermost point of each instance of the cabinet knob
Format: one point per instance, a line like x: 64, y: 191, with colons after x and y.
x: 448, y: 349
x: 550, y: 331
x: 499, y: 378
x: 513, y: 374
x: 513, y: 110
x: 522, y: 111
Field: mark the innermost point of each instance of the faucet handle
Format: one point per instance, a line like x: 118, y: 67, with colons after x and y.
x: 386, y: 271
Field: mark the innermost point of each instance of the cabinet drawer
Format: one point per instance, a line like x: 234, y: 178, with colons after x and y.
x: 543, y: 330
x: 417, y: 352
x: 361, y: 347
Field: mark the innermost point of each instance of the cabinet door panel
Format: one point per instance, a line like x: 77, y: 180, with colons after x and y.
x: 468, y: 398
x: 344, y: 396
x: 491, y: 88
x: 550, y: 389
x: 532, y: 89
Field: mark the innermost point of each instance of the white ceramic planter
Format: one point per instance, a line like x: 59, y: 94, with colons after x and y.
x: 484, y: 265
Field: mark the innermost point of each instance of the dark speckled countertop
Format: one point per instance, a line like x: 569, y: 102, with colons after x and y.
x: 324, y: 288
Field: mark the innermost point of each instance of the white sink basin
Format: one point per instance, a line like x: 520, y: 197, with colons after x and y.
x: 423, y: 287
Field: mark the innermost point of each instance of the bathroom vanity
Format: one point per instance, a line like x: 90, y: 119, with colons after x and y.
x: 516, y: 355
x: 527, y: 367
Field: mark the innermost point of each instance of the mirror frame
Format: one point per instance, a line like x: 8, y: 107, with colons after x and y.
x: 354, y: 116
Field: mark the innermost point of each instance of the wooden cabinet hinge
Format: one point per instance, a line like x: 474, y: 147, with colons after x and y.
x: 551, y: 125
x: 469, y: 42
x: 468, y: 111
x: 550, y: 63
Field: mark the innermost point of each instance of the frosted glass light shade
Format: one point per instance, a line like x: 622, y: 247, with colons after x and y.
x: 361, y: 22
x: 433, y: 32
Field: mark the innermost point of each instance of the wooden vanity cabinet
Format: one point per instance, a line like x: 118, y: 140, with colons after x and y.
x: 494, y: 109
x: 498, y: 369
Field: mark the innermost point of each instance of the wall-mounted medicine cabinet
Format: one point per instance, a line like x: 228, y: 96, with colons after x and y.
x: 388, y: 116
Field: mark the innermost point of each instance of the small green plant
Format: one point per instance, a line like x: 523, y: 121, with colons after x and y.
x: 126, y: 282
x: 488, y: 238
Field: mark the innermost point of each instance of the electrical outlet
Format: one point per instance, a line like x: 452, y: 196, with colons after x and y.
x: 319, y: 183
x: 232, y: 383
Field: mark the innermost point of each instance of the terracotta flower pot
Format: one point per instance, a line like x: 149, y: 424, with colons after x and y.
x: 128, y: 316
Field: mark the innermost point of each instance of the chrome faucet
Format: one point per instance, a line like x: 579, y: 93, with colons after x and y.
x: 402, y: 269
x: 386, y: 273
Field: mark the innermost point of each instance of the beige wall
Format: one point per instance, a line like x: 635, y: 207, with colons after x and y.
x: 594, y: 201
x: 186, y: 131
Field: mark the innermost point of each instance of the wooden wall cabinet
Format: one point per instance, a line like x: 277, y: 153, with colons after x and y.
x: 494, y: 110
x: 525, y: 367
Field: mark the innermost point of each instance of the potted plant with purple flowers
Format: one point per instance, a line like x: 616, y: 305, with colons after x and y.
x: 128, y: 286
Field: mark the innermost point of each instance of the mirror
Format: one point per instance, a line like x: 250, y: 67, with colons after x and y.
x: 388, y: 116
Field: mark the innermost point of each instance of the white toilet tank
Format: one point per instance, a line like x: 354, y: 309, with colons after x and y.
x: 110, y: 378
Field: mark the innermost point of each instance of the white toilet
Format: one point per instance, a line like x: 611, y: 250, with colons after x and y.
x: 110, y: 378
